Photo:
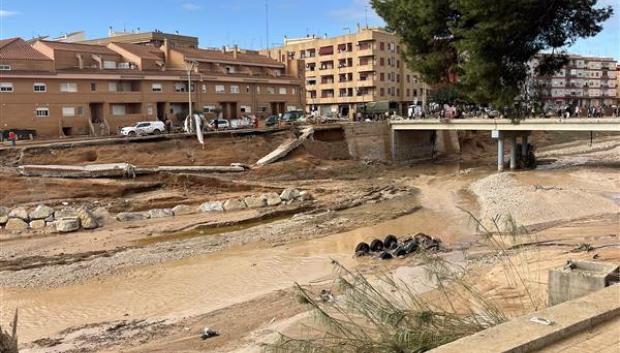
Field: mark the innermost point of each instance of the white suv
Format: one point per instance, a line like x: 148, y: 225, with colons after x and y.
x: 144, y: 128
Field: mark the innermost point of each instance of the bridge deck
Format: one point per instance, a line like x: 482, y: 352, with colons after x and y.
x: 572, y: 124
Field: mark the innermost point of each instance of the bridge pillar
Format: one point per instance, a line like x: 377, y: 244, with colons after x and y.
x: 513, y: 152
x: 524, y: 143
x: 500, y: 152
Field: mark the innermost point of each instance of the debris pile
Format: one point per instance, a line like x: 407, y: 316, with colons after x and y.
x: 47, y: 219
x: 391, y: 247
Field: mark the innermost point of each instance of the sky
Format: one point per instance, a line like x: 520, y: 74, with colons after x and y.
x: 225, y: 22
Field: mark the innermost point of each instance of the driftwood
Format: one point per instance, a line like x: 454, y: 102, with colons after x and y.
x: 8, y: 340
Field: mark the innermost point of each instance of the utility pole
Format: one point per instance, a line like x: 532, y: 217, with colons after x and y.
x: 366, y: 8
x: 190, y: 66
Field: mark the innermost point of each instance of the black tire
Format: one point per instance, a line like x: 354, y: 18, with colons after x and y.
x: 376, y: 245
x: 131, y: 134
x: 156, y: 132
x: 385, y: 256
x: 400, y: 251
x: 390, y: 242
x: 362, y: 248
x: 411, y: 247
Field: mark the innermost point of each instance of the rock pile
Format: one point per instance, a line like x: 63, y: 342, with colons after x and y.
x: 392, y: 247
x: 45, y: 218
x: 271, y: 199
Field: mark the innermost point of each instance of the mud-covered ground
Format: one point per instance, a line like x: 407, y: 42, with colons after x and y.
x: 152, y: 286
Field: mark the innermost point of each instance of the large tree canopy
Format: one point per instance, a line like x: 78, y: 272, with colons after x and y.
x: 488, y: 44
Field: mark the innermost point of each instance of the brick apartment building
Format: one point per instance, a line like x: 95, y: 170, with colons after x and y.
x: 345, y: 73
x: 585, y: 81
x: 61, y: 89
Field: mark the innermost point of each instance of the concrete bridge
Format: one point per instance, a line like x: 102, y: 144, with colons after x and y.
x: 501, y: 130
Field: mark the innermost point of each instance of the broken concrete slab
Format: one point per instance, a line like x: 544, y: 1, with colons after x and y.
x: 234, y: 205
x: 161, y: 213
x: 255, y: 201
x: 131, y: 216
x: 181, y: 210
x: 41, y: 212
x: 273, y: 199
x: 37, y: 224
x: 212, y: 206
x: 112, y: 170
x: 87, y: 219
x: 284, y: 149
x: 289, y: 194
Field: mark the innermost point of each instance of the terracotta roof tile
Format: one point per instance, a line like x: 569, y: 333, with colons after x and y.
x: 77, y: 47
x: 217, y: 55
x: 143, y: 51
x: 18, y: 49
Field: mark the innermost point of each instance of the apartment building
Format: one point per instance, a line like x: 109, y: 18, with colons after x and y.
x: 61, y: 89
x: 345, y: 74
x: 585, y: 81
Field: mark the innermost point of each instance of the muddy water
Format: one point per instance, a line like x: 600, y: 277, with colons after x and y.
x: 200, y: 284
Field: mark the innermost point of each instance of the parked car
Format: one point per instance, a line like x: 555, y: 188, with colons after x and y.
x: 222, y: 124
x: 144, y: 128
x: 272, y: 121
x: 243, y: 123
x: 292, y: 116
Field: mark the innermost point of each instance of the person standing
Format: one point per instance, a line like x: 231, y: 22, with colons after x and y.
x: 12, y: 138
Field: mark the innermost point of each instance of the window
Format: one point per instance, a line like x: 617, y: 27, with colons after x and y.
x: 68, y: 87
x: 282, y: 90
x: 382, y: 46
x: 124, y: 66
x: 156, y: 87
x: 109, y: 64
x: 42, y: 112
x: 112, y: 87
x: 118, y: 109
x: 257, y: 89
x: 382, y: 77
x: 246, y: 109
x: 230, y: 69
x: 6, y: 87
x: 39, y: 87
x: 80, y: 111
x: 5, y: 67
x: 220, y: 89
x: 382, y: 62
x: 382, y: 92
x: 271, y: 90
x: 247, y: 89
x: 293, y: 91
x: 208, y: 109
x: 203, y: 87
x: 93, y: 86
x: 234, y: 89
x: 180, y: 87
x: 68, y: 111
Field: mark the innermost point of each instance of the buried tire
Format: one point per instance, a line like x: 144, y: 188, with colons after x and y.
x: 376, y: 245
x: 390, y: 242
x: 362, y: 249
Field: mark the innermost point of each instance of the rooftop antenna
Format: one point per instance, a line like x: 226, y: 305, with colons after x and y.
x: 366, y: 8
x: 347, y: 29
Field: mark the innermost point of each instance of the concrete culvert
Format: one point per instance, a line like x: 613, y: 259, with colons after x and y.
x: 376, y: 245
x: 390, y: 242
x: 385, y: 256
x: 362, y: 249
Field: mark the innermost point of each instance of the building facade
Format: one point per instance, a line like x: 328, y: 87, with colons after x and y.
x: 62, y: 89
x: 585, y: 81
x: 346, y: 74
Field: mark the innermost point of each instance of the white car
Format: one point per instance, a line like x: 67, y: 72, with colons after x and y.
x: 144, y: 128
x: 222, y: 124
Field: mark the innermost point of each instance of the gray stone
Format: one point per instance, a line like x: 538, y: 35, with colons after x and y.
x: 4, y: 211
x: 304, y: 196
x: 101, y: 213
x: 87, y: 218
x: 289, y: 194
x: 67, y: 224
x: 255, y: 201
x: 50, y: 219
x: 66, y: 212
x: 37, y: 224
x: 181, y: 210
x: 161, y: 213
x: 273, y: 199
x: 20, y: 213
x: 234, y: 205
x: 41, y: 212
x: 212, y: 206
x: 16, y: 225
x: 132, y: 216
x: 4, y: 219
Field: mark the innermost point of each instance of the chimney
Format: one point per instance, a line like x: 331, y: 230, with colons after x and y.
x: 110, y: 31
x: 166, y: 49
x: 223, y: 49
x: 236, y: 51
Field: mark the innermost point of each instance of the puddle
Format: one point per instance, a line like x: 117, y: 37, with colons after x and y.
x: 204, y: 283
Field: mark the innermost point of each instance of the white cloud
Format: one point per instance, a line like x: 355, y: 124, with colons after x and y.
x: 5, y: 13
x: 188, y: 6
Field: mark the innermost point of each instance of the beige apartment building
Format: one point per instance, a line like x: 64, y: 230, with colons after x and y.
x: 348, y: 73
x: 61, y: 89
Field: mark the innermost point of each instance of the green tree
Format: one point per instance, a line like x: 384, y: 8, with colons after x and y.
x: 488, y: 44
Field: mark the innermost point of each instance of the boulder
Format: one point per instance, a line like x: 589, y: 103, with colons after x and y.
x: 20, y: 213
x: 66, y: 212
x: 212, y: 206
x: 273, y: 199
x: 161, y: 213
x: 41, y: 212
x: 67, y: 224
x: 101, y: 213
x: 289, y: 194
x: 4, y: 211
x: 181, y: 210
x: 304, y: 196
x: 255, y: 201
x: 87, y: 218
x: 4, y: 219
x: 234, y: 205
x: 37, y: 224
x: 131, y: 216
x: 15, y: 225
